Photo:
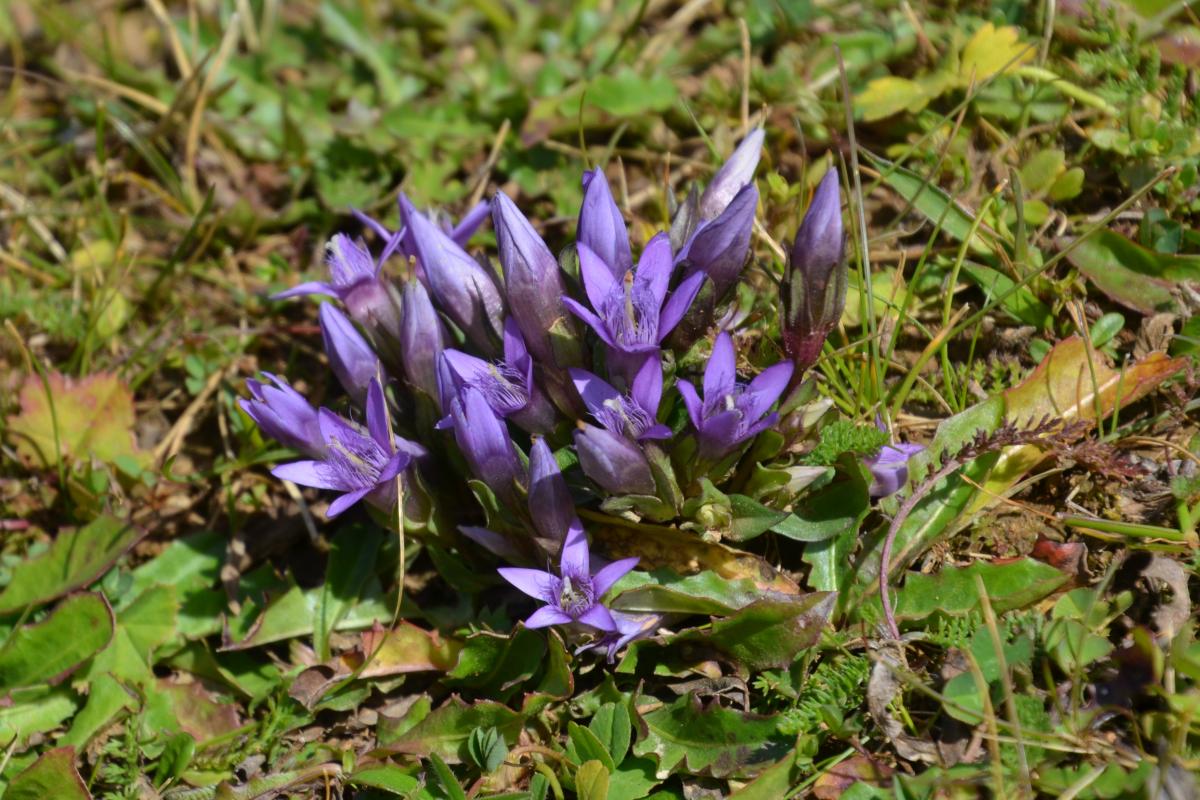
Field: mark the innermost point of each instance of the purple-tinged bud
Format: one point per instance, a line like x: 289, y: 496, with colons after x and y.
x: 531, y: 277
x: 458, y: 284
x: 422, y: 337
x: 283, y: 414
x: 484, y: 440
x: 732, y: 176
x: 550, y: 503
x: 601, y: 227
x: 350, y: 357
x: 719, y: 248
x: 615, y: 463
x: 731, y: 412
x: 889, y: 467
x: 814, y: 288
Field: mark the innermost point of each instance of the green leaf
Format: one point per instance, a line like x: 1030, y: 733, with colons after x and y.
x: 1042, y: 169
x: 768, y: 633
x: 487, y: 749
x: 718, y: 742
x: 1135, y: 276
x: 703, y: 593
x: 1023, y: 304
x: 935, y: 204
x: 498, y: 664
x: 51, y: 776
x: 751, y: 518
x: 890, y: 95
x: 48, y: 651
x: 584, y: 746
x: 632, y: 780
x: 389, y: 778
x: 92, y: 417
x: 446, y: 777
x: 627, y: 94
x: 836, y: 509
x: 613, y: 728
x: 591, y: 781
x: 36, y: 710
x: 993, y: 50
x: 175, y: 758
x: 771, y: 783
x: 951, y: 592
x: 446, y: 730
x: 351, y: 560
x: 74, y: 560
x: 293, y: 614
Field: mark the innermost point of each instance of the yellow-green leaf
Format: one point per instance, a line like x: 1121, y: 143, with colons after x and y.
x: 992, y: 50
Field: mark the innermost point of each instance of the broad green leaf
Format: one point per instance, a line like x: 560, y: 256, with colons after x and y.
x: 992, y: 50
x: 403, y: 649
x: 767, y: 634
x: 583, y: 746
x: 591, y: 781
x: 445, y: 731
x: 74, y: 560
x: 1023, y: 304
x: 934, y: 204
x: 51, y: 776
x: 632, y: 780
x: 1042, y: 169
x: 351, y: 560
x: 186, y: 705
x: 48, y: 651
x: 751, y: 518
x: 835, y: 509
x: 499, y: 664
x: 663, y: 591
x: 106, y: 699
x: 690, y: 738
x: 627, y: 94
x: 89, y: 417
x: 771, y: 783
x: 446, y: 778
x: 294, y: 613
x: 37, y: 710
x: 389, y: 778
x: 613, y: 728
x: 951, y: 591
x: 1135, y: 276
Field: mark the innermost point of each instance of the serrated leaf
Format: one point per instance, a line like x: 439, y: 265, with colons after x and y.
x: 87, y: 418
x: 75, y: 559
x: 718, y: 742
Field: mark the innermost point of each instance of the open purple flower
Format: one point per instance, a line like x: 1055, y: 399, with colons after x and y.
x: 283, y: 414
x: 732, y: 412
x: 360, y: 464
x: 457, y: 282
x: 352, y: 359
x: 507, y: 385
x: 601, y: 228
x: 574, y: 594
x: 634, y: 415
x: 632, y: 315
x: 889, y: 467
x: 356, y: 280
x: 402, y: 241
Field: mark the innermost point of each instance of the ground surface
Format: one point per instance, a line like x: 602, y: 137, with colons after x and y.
x: 176, y: 624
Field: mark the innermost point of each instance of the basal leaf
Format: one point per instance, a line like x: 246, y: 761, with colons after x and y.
x: 445, y: 730
x: 1132, y: 275
x: 37, y: 710
x: 992, y: 50
x: 692, y: 739
x: 768, y: 633
x: 51, y: 776
x: 48, y: 651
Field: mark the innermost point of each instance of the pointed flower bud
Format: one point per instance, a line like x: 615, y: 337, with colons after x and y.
x: 614, y: 462
x: 732, y: 412
x: 601, y: 227
x: 550, y: 503
x: 719, y: 248
x: 814, y: 288
x: 732, y: 176
x: 483, y: 438
x: 532, y: 278
x: 351, y: 358
x: 422, y: 337
x: 458, y: 284
x: 283, y: 414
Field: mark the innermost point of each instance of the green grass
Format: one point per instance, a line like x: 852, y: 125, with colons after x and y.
x: 1025, y: 194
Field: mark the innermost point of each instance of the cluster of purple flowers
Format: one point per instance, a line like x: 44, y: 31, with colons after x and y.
x: 487, y: 353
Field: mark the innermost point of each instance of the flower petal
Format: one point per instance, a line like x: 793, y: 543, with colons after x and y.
x: 766, y: 388
x: 576, y: 559
x: 691, y: 401
x: 311, y: 287
x: 308, y: 473
x: 377, y: 417
x: 547, y: 615
x: 491, y: 541
x: 601, y: 226
x: 646, y: 389
x: 598, y: 617
x: 605, y: 578
x: 594, y: 390
x: 720, y: 376
x: 533, y: 582
x: 655, y: 266
x: 550, y: 503
x: 598, y: 280
x: 344, y: 502
x: 679, y: 302
x: 591, y: 319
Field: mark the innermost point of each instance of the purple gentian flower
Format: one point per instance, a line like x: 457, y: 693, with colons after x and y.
x: 507, y: 385
x: 734, y: 174
x: 634, y: 415
x: 422, y: 337
x: 731, y: 412
x: 402, y: 241
x: 814, y: 286
x: 351, y: 358
x: 614, y: 462
x: 601, y: 228
x: 483, y: 438
x: 283, y: 414
x: 574, y: 594
x: 457, y: 282
x: 630, y: 627
x: 361, y: 464
x: 532, y: 280
x: 719, y: 247
x: 889, y: 467
x: 633, y: 315
x: 356, y: 280
x: 550, y: 505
